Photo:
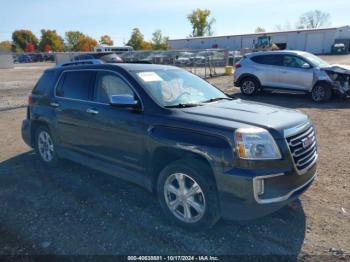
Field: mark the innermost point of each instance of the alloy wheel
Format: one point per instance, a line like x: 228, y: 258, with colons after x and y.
x: 318, y: 93
x: 45, y: 146
x: 184, y: 198
x: 248, y: 87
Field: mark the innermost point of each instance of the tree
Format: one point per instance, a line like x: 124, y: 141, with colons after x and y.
x: 72, y: 39
x: 6, y: 45
x: 283, y: 27
x: 86, y: 44
x: 30, y: 48
x: 51, y: 38
x: 21, y: 38
x: 146, y: 45
x: 259, y: 30
x: 313, y: 19
x: 200, y: 24
x: 136, y: 40
x: 158, y: 41
x: 106, y: 40
x: 47, y: 48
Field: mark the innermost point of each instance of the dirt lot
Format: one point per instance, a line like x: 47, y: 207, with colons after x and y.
x: 76, y: 210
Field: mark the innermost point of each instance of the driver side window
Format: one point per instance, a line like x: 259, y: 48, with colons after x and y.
x: 108, y: 84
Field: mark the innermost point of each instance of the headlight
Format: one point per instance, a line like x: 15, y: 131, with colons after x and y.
x: 256, y: 144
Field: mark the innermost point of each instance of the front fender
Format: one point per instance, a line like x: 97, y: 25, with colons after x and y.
x: 214, y: 148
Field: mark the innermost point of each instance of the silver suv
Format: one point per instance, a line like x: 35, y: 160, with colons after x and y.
x: 292, y: 71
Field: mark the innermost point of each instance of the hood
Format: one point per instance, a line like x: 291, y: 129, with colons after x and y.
x: 340, y: 69
x: 250, y: 113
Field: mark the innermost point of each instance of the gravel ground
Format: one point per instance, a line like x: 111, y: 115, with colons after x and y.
x: 75, y: 210
x: 16, y: 84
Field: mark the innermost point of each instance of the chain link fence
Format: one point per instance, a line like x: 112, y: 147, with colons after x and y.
x: 204, y: 63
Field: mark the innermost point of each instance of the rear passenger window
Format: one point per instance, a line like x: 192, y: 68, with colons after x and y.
x: 268, y: 59
x: 108, y: 84
x: 45, y: 82
x: 76, y: 85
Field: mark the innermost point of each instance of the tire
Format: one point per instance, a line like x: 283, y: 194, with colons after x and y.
x: 44, y: 146
x: 249, y: 86
x: 321, y: 93
x: 197, y: 210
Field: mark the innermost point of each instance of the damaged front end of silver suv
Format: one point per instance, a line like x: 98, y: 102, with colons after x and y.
x: 339, y: 78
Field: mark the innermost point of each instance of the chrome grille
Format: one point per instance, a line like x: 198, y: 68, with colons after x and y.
x: 303, y: 147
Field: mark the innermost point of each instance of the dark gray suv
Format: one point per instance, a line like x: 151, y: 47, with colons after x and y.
x: 204, y: 154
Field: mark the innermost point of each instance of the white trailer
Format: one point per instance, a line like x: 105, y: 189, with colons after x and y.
x: 115, y: 49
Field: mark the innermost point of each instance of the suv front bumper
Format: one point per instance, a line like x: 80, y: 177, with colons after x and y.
x: 240, y: 199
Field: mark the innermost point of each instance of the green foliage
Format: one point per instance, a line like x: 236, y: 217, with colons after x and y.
x: 136, y: 40
x: 72, y: 39
x: 106, y: 40
x: 158, y: 41
x: 21, y: 38
x: 200, y: 24
x: 52, y: 39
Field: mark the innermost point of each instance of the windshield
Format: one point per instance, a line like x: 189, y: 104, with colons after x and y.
x: 175, y: 87
x: 315, y: 60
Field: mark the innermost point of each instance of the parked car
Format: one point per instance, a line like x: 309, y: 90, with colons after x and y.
x: 24, y: 59
x: 183, y: 58
x: 106, y: 57
x: 339, y: 49
x: 291, y: 71
x: 37, y: 57
x: 49, y: 57
x: 204, y: 154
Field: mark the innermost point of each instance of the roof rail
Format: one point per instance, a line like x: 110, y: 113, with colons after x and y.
x: 81, y: 62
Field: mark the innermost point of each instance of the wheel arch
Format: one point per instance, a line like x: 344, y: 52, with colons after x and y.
x: 323, y: 82
x: 248, y: 75
x: 35, y: 124
x: 163, y: 156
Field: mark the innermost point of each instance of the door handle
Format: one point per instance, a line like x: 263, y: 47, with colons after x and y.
x: 54, y: 104
x: 92, y: 111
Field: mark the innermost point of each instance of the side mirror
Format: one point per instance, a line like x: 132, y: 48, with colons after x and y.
x: 123, y: 101
x: 305, y: 66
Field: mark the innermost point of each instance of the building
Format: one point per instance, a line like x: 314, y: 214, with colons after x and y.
x: 317, y: 41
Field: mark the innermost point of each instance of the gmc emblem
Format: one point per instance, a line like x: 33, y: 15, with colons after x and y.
x: 307, y: 141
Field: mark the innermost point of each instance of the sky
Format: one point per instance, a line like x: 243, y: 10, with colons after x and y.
x: 117, y: 18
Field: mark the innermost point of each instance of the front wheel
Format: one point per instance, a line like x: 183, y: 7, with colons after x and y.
x: 249, y: 86
x: 321, y: 93
x: 187, y: 194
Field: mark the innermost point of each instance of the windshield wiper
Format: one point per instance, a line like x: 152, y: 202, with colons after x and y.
x: 184, y: 105
x: 217, y: 99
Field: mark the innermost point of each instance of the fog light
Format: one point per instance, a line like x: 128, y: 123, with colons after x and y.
x: 259, y: 186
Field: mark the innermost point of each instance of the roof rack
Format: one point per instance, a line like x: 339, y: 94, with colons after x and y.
x: 81, y: 62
